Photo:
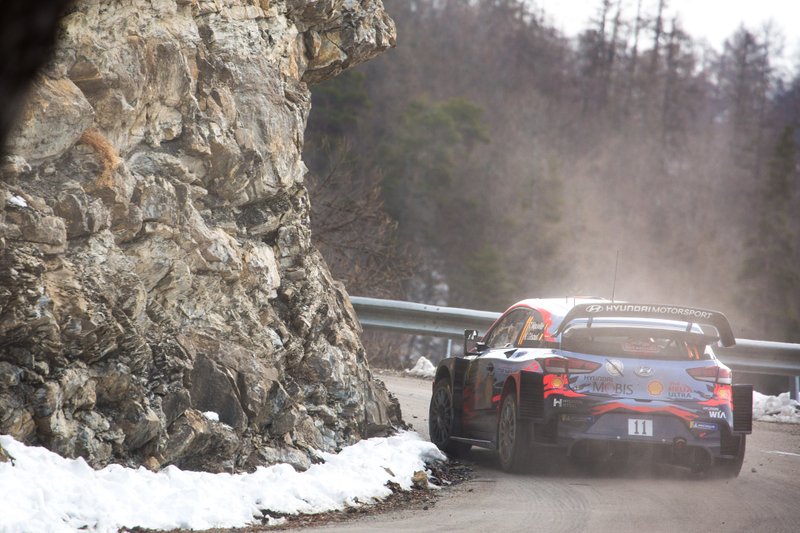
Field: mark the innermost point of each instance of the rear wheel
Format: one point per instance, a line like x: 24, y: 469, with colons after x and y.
x: 512, y: 436
x: 441, y: 419
x: 729, y: 468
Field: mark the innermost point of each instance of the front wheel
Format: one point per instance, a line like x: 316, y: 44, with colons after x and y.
x: 441, y: 419
x: 512, y: 436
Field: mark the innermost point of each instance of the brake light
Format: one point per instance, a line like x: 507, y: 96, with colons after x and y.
x: 712, y: 374
x: 555, y: 365
x: 723, y: 392
x: 580, y: 366
x: 564, y: 365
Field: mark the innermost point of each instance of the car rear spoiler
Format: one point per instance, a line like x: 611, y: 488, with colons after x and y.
x: 690, y: 315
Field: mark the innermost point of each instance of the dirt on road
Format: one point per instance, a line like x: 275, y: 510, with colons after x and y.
x: 765, y: 497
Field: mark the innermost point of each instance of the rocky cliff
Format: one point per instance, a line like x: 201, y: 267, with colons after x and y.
x: 155, y: 260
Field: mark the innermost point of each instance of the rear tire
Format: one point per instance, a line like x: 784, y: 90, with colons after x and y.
x: 730, y: 468
x: 442, y: 421
x: 512, y: 436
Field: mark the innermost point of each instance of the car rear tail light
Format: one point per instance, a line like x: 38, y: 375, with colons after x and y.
x: 580, y: 366
x: 563, y: 365
x: 555, y: 365
x: 712, y: 374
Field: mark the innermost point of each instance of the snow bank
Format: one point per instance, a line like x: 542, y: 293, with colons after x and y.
x: 779, y: 408
x: 41, y: 491
x: 422, y: 369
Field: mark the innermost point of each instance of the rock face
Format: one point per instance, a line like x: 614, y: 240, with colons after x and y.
x: 155, y: 260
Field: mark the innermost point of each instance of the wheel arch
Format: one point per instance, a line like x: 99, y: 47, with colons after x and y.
x: 441, y: 373
x: 511, y: 384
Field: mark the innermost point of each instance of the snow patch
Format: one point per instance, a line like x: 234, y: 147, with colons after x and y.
x: 42, y: 491
x: 211, y: 415
x: 422, y: 369
x: 779, y: 408
x: 17, y: 201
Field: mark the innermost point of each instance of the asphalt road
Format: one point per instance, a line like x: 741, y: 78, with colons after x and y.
x: 765, y: 497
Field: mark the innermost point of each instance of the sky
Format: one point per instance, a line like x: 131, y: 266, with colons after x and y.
x: 713, y: 20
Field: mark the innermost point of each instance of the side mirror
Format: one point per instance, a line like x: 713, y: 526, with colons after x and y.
x: 472, y: 345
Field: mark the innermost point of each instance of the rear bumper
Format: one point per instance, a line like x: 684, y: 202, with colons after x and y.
x: 666, y: 432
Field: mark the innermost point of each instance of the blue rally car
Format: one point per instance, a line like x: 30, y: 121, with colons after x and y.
x: 599, y: 379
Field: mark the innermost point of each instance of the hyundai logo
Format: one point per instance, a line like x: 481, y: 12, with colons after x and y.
x: 643, y: 371
x: 594, y: 308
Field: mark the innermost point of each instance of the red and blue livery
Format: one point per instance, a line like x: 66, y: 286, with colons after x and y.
x: 599, y: 379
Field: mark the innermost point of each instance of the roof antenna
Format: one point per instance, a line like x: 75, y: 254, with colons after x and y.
x: 614, y: 284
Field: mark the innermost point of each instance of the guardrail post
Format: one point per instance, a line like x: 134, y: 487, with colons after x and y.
x: 794, y: 388
x: 449, y: 347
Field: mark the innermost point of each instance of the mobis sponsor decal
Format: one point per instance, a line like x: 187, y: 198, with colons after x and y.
x: 681, y: 312
x: 606, y: 385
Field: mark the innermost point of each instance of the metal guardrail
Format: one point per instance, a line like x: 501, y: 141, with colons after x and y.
x: 762, y: 357
x: 753, y: 356
x: 420, y: 319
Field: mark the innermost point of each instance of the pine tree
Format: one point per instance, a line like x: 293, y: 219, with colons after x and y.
x: 769, y: 272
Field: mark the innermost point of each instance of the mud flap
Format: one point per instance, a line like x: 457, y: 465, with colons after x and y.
x: 531, y: 396
x: 742, y: 409
x: 459, y: 372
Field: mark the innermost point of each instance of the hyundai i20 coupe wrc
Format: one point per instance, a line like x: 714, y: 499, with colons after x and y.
x: 598, y: 379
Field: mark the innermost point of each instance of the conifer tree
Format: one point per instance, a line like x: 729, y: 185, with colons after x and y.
x: 769, y: 271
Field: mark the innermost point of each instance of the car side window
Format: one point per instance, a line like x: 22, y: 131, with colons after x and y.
x: 532, y: 335
x: 506, y: 332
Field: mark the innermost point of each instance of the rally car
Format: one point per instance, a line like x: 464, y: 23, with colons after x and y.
x: 598, y: 379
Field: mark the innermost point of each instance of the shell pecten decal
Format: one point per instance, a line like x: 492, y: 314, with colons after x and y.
x: 655, y: 388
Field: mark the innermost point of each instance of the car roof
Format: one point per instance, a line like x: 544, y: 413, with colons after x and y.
x: 557, y: 308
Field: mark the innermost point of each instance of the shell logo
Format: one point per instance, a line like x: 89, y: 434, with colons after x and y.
x: 655, y: 388
x: 557, y: 382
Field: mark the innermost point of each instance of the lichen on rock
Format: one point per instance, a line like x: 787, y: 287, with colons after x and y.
x: 155, y: 257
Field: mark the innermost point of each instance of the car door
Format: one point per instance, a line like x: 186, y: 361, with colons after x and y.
x: 487, y: 374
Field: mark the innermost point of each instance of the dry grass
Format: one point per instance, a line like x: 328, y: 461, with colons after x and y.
x: 108, y: 156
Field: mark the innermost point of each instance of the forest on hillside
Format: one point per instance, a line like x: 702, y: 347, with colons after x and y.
x: 489, y: 158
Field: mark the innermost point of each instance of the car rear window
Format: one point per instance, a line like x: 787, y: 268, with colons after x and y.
x: 642, y: 345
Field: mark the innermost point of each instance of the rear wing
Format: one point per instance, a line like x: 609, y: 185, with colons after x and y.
x: 690, y: 315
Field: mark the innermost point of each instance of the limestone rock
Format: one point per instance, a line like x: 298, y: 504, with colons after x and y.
x: 4, y: 457
x: 55, y: 116
x: 155, y: 255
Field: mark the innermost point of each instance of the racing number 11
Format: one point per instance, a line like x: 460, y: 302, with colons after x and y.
x: 639, y: 427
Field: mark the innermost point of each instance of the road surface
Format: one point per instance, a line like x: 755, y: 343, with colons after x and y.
x: 765, y: 497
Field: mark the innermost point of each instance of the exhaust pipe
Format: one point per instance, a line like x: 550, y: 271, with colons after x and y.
x: 679, y: 449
